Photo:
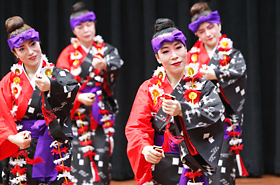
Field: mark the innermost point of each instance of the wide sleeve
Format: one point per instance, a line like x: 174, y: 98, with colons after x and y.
x: 63, y: 60
x: 140, y: 133
x: 63, y: 92
x: 233, y: 79
x: 7, y: 123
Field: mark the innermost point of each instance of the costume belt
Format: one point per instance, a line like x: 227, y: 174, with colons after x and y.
x: 95, y: 107
x: 44, y: 171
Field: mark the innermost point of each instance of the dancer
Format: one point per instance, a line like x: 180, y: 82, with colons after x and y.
x: 95, y: 64
x: 176, y: 111
x: 226, y: 68
x: 36, y: 98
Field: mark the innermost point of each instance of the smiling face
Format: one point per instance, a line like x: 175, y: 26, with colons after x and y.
x: 29, y: 52
x: 209, y: 34
x: 172, y: 55
x: 85, y: 32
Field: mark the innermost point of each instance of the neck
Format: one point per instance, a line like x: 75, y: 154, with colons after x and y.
x: 87, y: 44
x: 208, y: 48
x: 31, y: 70
x: 174, y: 78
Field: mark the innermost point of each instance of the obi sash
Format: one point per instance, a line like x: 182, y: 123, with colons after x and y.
x: 44, y: 171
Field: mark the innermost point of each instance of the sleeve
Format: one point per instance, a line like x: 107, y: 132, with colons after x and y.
x: 139, y: 133
x: 7, y: 124
x: 63, y: 60
x: 233, y: 81
x: 206, y: 112
x: 63, y: 92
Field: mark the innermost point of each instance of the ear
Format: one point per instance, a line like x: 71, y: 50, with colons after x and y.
x: 74, y: 32
x: 220, y: 27
x: 158, y: 60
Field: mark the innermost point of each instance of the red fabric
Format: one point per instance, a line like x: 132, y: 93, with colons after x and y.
x: 7, y: 121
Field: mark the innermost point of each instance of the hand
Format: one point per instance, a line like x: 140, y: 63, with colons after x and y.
x: 21, y: 139
x: 99, y: 63
x: 86, y: 98
x: 42, y: 82
x: 172, y: 107
x: 208, y: 73
x: 151, y: 155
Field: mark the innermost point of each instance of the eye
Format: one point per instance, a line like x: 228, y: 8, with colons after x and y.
x: 33, y: 43
x: 179, y: 47
x: 21, y: 49
x: 165, y: 51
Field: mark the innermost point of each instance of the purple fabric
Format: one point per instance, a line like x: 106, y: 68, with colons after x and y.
x: 75, y: 21
x: 237, y: 129
x: 159, y: 139
x: 95, y: 107
x: 42, y: 171
x: 184, y: 180
x: 158, y: 41
x: 212, y: 18
x: 16, y: 40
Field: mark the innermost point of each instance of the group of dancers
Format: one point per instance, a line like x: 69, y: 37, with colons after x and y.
x: 57, y: 121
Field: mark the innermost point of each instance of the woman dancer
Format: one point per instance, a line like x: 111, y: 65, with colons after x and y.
x: 226, y: 68
x: 176, y: 111
x: 36, y: 98
x: 95, y: 64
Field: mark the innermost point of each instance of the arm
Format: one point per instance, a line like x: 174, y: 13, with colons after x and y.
x: 139, y: 133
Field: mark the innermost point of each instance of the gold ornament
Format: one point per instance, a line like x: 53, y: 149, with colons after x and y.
x: 16, y: 80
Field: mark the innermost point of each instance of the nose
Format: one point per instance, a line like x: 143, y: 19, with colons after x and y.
x: 207, y: 32
x: 29, y: 50
x: 174, y: 55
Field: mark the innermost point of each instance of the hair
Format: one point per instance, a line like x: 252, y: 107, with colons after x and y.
x: 15, y: 25
x: 78, y: 9
x: 199, y: 9
x: 163, y: 25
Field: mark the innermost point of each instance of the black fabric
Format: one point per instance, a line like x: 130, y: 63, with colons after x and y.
x: 254, y: 27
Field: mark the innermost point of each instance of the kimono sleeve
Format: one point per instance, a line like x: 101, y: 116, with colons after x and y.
x: 233, y: 80
x: 139, y: 133
x: 63, y: 92
x: 63, y: 60
x: 7, y: 124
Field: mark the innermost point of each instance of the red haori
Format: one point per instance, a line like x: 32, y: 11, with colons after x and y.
x: 18, y: 169
x: 192, y: 175
x: 85, y: 143
x: 60, y: 168
x: 192, y: 95
x: 83, y: 129
x: 93, y: 123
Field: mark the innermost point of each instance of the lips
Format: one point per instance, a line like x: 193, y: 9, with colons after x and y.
x: 176, y: 63
x: 33, y: 58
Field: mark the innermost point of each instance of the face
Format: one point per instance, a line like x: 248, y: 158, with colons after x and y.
x: 29, y: 52
x: 85, y: 32
x: 172, y: 55
x: 209, y: 34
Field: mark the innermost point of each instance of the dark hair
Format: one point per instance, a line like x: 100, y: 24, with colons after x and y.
x: 199, y: 9
x: 15, y: 25
x: 78, y: 9
x: 163, y: 25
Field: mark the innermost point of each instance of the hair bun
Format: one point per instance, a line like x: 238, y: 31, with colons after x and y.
x: 163, y: 23
x: 79, y: 6
x: 199, y: 8
x: 13, y: 23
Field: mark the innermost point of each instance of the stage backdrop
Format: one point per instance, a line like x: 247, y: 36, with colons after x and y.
x: 254, y: 26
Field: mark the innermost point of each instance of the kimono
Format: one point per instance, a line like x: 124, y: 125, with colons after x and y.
x: 93, y: 126
x: 201, y: 128
x: 47, y: 116
x: 230, y: 69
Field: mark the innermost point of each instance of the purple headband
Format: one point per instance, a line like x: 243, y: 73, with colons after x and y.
x: 212, y: 18
x: 82, y: 18
x: 16, y: 40
x: 158, y: 41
